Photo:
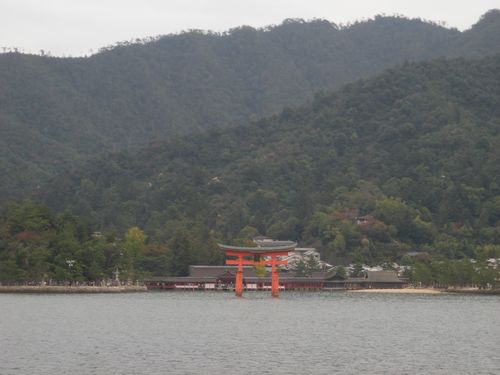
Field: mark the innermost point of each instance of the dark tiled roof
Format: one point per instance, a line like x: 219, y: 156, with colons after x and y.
x: 377, y: 277
x: 215, y: 271
x: 382, y: 276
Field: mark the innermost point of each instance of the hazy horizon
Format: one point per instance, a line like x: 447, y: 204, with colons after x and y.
x: 86, y: 26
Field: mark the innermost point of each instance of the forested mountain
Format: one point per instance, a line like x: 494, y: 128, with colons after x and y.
x: 408, y: 160
x: 54, y: 112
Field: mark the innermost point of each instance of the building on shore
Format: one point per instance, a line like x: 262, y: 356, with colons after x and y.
x: 321, y: 277
x: 376, y: 280
x: 224, y: 277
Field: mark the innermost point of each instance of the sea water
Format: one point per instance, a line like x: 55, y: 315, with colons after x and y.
x: 217, y: 333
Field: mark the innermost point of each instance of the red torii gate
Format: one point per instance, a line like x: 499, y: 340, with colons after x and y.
x: 243, y: 254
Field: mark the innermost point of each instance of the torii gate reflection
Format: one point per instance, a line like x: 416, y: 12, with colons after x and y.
x: 246, y: 256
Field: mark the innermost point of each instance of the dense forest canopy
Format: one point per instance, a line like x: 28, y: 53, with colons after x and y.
x: 37, y: 244
x: 55, y: 112
x: 405, y: 161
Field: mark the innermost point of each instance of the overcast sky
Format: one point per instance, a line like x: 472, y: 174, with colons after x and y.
x: 73, y: 27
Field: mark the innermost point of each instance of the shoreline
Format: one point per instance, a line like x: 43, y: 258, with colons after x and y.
x: 434, y: 291
x: 490, y: 292
x: 56, y: 289
x: 84, y: 289
x: 401, y: 291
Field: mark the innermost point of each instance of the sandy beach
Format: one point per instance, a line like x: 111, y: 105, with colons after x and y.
x: 401, y: 291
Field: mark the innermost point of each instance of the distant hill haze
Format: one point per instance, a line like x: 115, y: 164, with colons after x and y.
x: 56, y: 112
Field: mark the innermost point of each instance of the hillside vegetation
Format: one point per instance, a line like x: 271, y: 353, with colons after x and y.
x: 55, y: 112
x: 405, y: 161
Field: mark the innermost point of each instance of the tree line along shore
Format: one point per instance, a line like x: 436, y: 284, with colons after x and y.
x: 38, y: 247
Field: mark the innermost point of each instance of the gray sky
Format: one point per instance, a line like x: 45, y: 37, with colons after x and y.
x: 75, y: 26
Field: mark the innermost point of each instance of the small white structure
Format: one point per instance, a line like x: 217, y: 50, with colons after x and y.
x: 294, y: 257
x: 301, y: 254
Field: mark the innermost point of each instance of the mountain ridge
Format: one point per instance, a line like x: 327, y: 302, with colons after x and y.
x: 70, y: 109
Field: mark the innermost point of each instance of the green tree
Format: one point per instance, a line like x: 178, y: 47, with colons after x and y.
x: 312, y: 264
x: 485, y: 276
x: 357, y: 270
x: 133, y: 246
x: 28, y: 216
x: 180, y: 246
x: 422, y: 274
x: 340, y: 273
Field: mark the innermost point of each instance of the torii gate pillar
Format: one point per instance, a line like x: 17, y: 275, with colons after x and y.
x: 275, y: 279
x: 239, y: 278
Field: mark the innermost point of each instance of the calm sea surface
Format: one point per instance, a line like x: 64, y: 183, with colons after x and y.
x: 216, y: 333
